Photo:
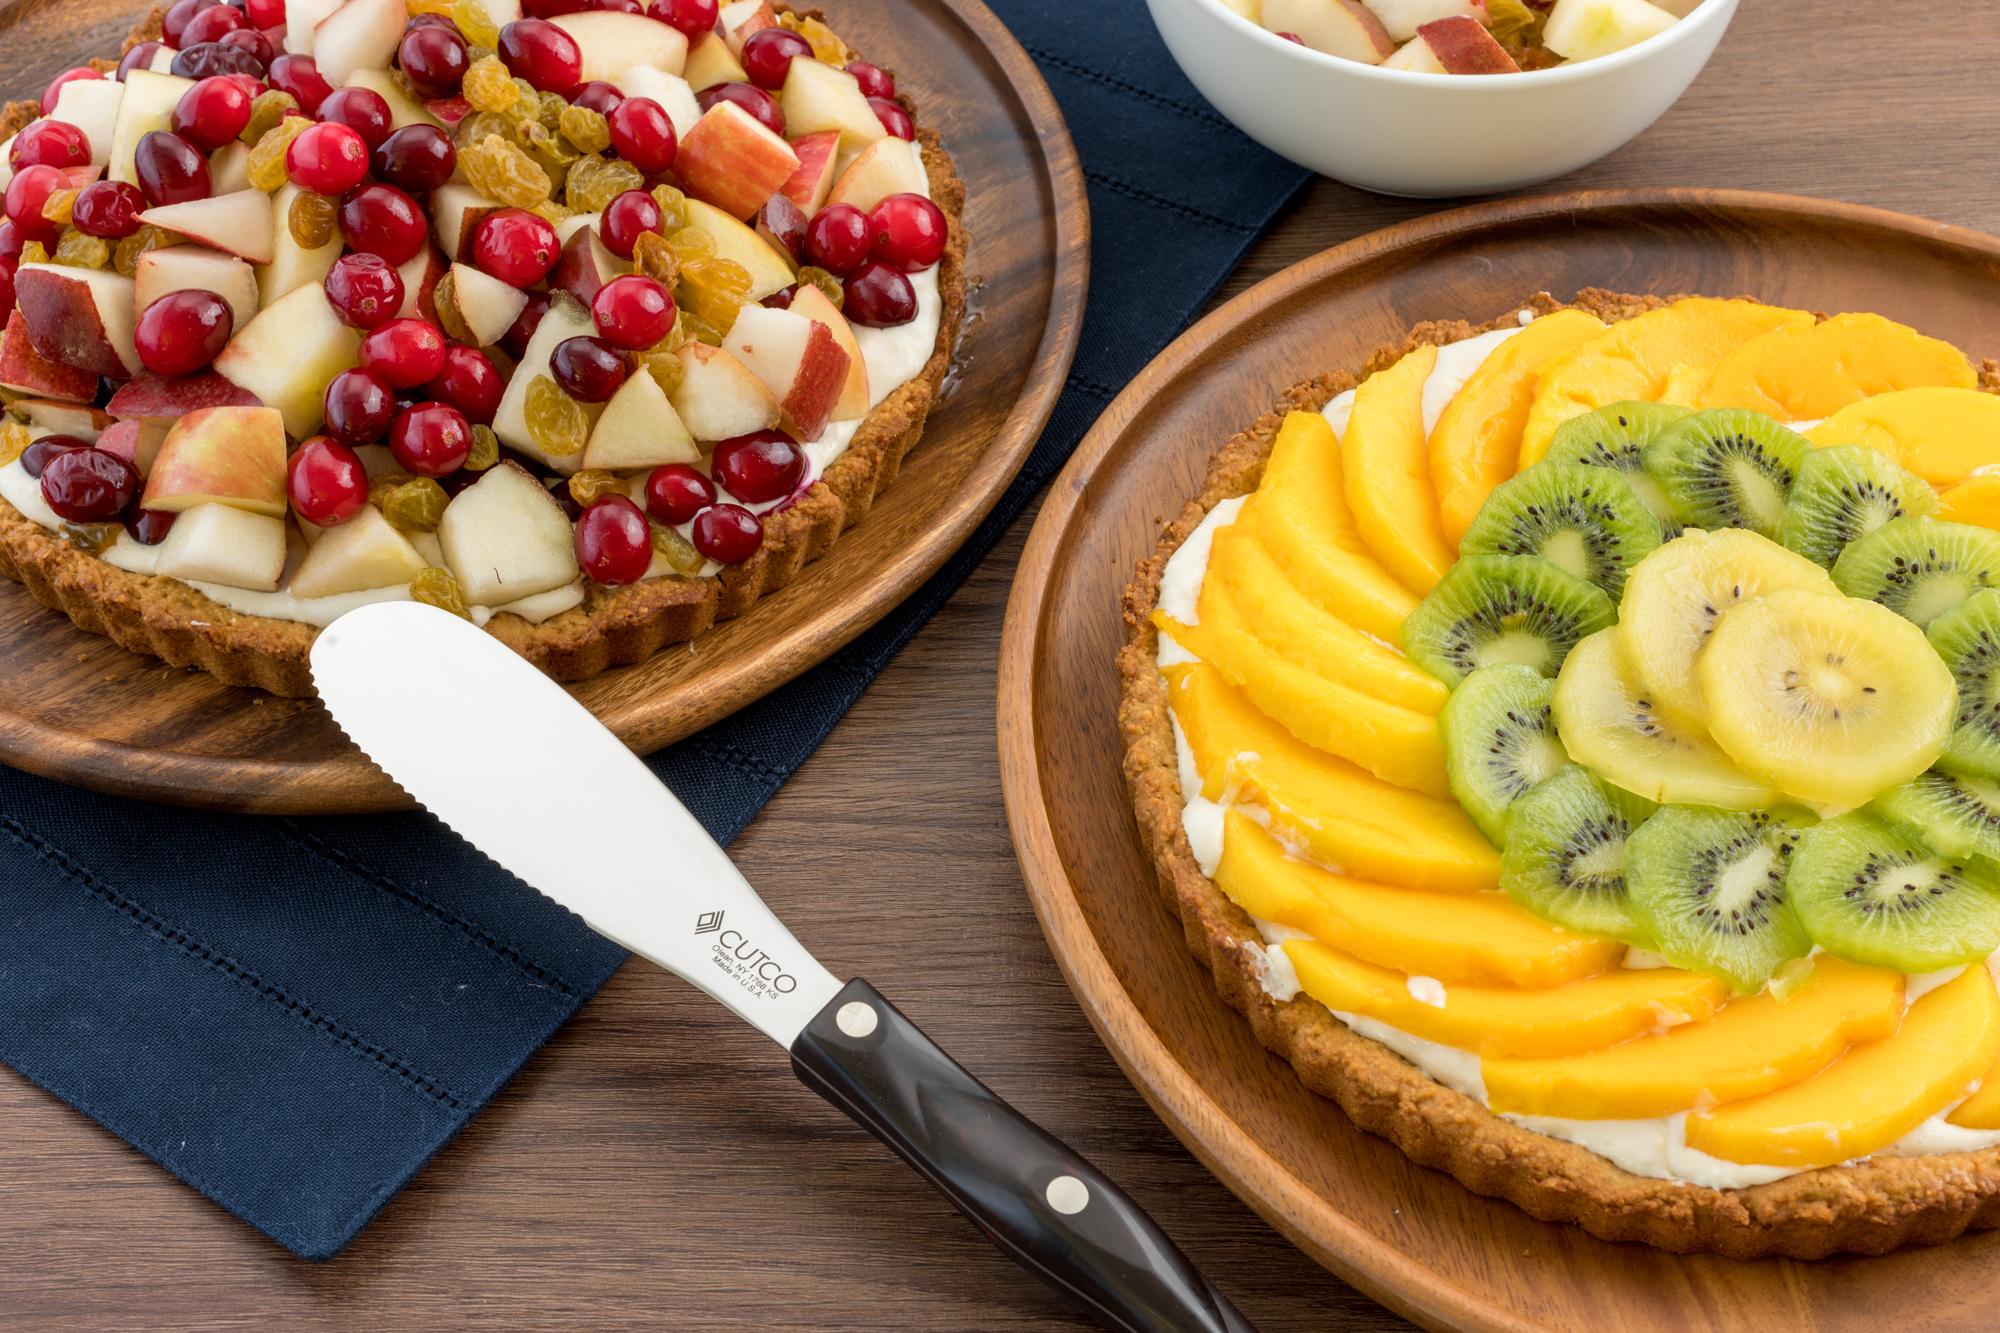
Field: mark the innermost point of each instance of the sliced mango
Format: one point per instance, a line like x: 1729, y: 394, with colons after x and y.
x: 1477, y: 441
x: 1976, y: 500
x: 1482, y: 938
x: 1398, y: 745
x: 1982, y: 1109
x: 1342, y: 814
x: 1873, y: 1095
x: 1388, y: 473
x: 1752, y: 1046
x: 1942, y: 435
x: 1684, y: 385
x: 1243, y: 573
x: 1634, y: 358
x: 1807, y: 372
x: 1300, y: 514
x: 1586, y: 1015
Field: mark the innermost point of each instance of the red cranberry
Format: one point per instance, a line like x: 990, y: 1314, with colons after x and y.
x: 782, y: 222
x: 837, y: 238
x: 170, y: 169
x: 35, y: 458
x: 763, y: 465
x: 300, y: 77
x: 212, y: 113
x: 27, y: 194
x: 255, y: 43
x: 676, y: 493
x: 782, y: 298
x: 359, y: 407
x: 361, y: 110
x: 615, y: 6
x: 326, y: 482
x: 909, y: 232
x: 768, y: 54
x: 588, y: 369
x: 543, y: 54
x: 696, y: 18
x: 632, y: 311
x: 149, y: 527
x: 327, y: 159
x: 89, y: 485
x: 433, y: 59
x: 183, y: 331
x: 549, y: 9
x: 56, y: 85
x: 763, y: 107
x: 613, y: 543
x: 874, y: 80
x: 265, y: 13
x: 6, y: 290
x: 209, y: 25
x: 878, y: 296
x: 469, y: 383
x: 364, y: 289
x: 383, y: 220
x: 626, y: 218
x: 139, y: 57
x: 404, y: 353
x: 109, y: 209
x: 431, y: 439
x: 53, y: 143
x: 515, y: 246
x: 514, y: 341
x: 174, y: 25
x: 598, y: 96
x: 894, y: 119
x: 727, y: 534
x: 207, y: 58
x: 12, y: 242
x: 643, y: 134
x: 416, y: 158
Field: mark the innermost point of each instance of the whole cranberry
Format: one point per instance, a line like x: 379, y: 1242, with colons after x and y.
x: 383, y: 220
x: 6, y: 290
x: 12, y: 242
x: 170, y: 169
x: 768, y: 54
x: 139, y: 57
x: 27, y: 194
x: 874, y: 80
x: 696, y: 18
x: 543, y: 54
x: 255, y: 43
x: 173, y: 26
x: 589, y: 369
x: 626, y: 218
x: 89, y: 485
x: 434, y: 59
x: 208, y: 58
x: 361, y: 110
x: 328, y: 158
x: 676, y: 492
x: 326, y: 482
x: 894, y: 119
x: 149, y: 527
x: 613, y: 543
x: 878, y: 296
x: 782, y: 298
x: 837, y: 238
x: 183, y: 331
x: 50, y: 93
x: 515, y: 246
x: 300, y: 77
x: 760, y: 467
x: 109, y: 209
x: 265, y: 13
x: 209, y: 24
x: 908, y: 232
x: 643, y: 134
x: 416, y: 157
x: 52, y: 143
x: 598, y: 96
x: 431, y: 439
x: 550, y: 9
x: 365, y: 290
x: 404, y: 353
x: 469, y: 383
x: 514, y: 341
x: 35, y: 458
x: 359, y: 407
x: 212, y: 113
x: 763, y: 107
x: 727, y: 534
x: 632, y: 311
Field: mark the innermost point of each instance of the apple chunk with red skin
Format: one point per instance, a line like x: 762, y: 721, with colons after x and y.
x: 799, y: 361
x: 60, y: 418
x: 739, y: 18
x: 486, y: 305
x: 179, y: 268
x: 586, y: 263
x: 221, y: 455
x: 1402, y: 19
x: 420, y: 274
x: 237, y: 224
x: 719, y: 397
x: 813, y: 181
x: 854, y: 400
x: 1460, y: 46
x: 136, y: 441
x: 82, y: 317
x: 152, y: 397
x: 1345, y: 28
x: 24, y: 369
x: 731, y: 161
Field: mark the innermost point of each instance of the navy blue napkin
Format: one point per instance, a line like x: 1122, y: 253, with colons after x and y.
x: 293, y: 1015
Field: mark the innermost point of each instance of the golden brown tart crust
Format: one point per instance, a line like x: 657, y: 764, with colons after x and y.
x: 1867, y: 1208
x: 167, y: 619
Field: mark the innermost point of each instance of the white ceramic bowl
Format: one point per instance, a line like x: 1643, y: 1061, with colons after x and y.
x: 1407, y: 133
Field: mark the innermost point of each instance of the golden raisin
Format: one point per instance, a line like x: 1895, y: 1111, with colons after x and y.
x: 488, y: 86
x: 312, y: 219
x: 586, y: 487
x: 653, y: 257
x: 439, y: 587
x: 126, y: 257
x: 557, y: 423
x: 485, y: 449
x: 673, y: 208
x: 604, y: 179
x: 267, y: 158
x: 380, y: 488
x: 475, y: 23
x: 827, y: 47
x: 527, y: 104
x: 504, y: 171
x: 828, y: 285
x: 91, y: 538
x: 417, y: 7
x: 13, y: 441
x: 82, y: 250
x: 552, y: 153
x: 587, y: 129
x: 445, y: 298
x: 676, y: 550
x: 415, y: 506
x: 60, y: 206
x: 553, y: 105
x: 691, y: 243
x: 477, y: 126
x: 661, y: 363
x: 266, y: 111
x: 552, y: 212
x: 34, y: 252
x: 693, y: 328
x: 714, y: 289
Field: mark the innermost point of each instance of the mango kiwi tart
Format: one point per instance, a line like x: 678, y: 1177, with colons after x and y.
x: 593, y: 324
x: 1574, y: 744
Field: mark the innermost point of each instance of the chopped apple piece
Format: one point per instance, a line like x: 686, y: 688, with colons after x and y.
x: 769, y: 271
x: 420, y: 274
x: 359, y: 555
x: 639, y: 429
x: 819, y: 97
x: 52, y: 414
x: 738, y: 19
x: 813, y: 181
x: 486, y: 306
x: 730, y: 160
x: 81, y: 317
x: 565, y: 319
x: 671, y: 91
x: 229, y: 168
x: 26, y: 370
x: 799, y: 361
x: 152, y: 397
x: 505, y: 538
x: 301, y: 18
x: 709, y: 62
x: 361, y: 34
x: 455, y: 210
x: 289, y: 353
x: 612, y: 42
x: 219, y: 543
x: 719, y: 397
x: 1345, y: 28
x: 1416, y: 57
x: 585, y: 264
x: 221, y: 455
x: 137, y: 442
x: 889, y: 166
x: 92, y: 106
x: 239, y: 223
x: 854, y: 400
x: 1586, y: 29
x: 402, y: 109
x: 1462, y: 46
x: 1402, y: 18
x: 292, y: 265
x: 148, y: 105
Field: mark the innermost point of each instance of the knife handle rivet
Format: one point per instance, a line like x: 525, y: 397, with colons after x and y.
x: 856, y: 1018
x: 1067, y: 1195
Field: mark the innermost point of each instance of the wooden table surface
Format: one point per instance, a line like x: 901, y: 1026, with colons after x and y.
x: 656, y: 1167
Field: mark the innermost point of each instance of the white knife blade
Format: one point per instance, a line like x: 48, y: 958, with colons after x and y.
x: 523, y: 772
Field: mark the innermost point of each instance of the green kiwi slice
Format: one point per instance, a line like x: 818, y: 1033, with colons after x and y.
x: 1502, y: 608
x: 1616, y: 437
x: 1727, y: 468
x: 1869, y: 893
x: 1565, y: 854
x: 1710, y: 887
x: 1957, y: 814
x: 1585, y: 521
x: 1920, y: 568
x: 1967, y: 637
x: 1843, y: 493
x: 1499, y: 741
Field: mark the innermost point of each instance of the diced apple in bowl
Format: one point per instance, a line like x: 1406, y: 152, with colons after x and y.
x: 505, y: 538
x: 237, y: 224
x: 292, y: 265
x: 710, y: 61
x: 147, y: 105
x: 1586, y: 29
x: 585, y: 264
x: 1344, y: 28
x: 670, y: 91
x: 1453, y: 46
x: 359, y: 35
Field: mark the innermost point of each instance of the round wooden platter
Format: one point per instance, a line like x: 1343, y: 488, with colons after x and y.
x: 1412, y: 1238
x: 76, y: 707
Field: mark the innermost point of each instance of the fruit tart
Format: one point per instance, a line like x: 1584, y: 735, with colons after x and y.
x: 591, y: 324
x: 1574, y: 744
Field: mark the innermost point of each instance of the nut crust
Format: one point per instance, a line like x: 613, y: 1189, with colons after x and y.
x: 1868, y: 1207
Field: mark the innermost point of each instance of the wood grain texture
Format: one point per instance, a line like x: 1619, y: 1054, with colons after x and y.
x: 655, y: 1168
x: 80, y: 708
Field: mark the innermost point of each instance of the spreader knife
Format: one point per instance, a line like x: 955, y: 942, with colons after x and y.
x: 514, y: 757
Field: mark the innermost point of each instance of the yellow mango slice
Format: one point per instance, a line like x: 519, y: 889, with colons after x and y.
x: 1982, y: 1109
x: 1477, y: 441
x: 1752, y: 1046
x: 1684, y: 385
x: 1873, y: 1095
x: 1342, y: 815
x: 1398, y: 745
x: 1809, y: 371
x: 1976, y: 500
x: 1300, y: 515
x: 1942, y: 435
x: 1388, y: 473
x: 1455, y: 937
x: 1586, y: 1015
x: 1243, y: 573
x: 1635, y: 357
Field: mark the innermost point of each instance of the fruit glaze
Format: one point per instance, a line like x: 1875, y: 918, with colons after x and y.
x: 1604, y: 717
x: 317, y: 304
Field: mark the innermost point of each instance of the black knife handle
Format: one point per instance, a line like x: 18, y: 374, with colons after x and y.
x: 1045, y: 1207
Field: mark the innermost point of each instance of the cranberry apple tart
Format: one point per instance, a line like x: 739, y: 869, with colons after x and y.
x: 592, y: 323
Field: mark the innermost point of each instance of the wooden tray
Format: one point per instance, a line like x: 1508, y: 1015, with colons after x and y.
x: 76, y: 707
x: 1410, y: 1237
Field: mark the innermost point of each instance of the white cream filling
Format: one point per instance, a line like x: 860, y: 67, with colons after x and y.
x: 1180, y: 582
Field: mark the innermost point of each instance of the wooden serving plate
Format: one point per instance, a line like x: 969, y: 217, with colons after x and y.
x: 76, y: 707
x: 1412, y: 1238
